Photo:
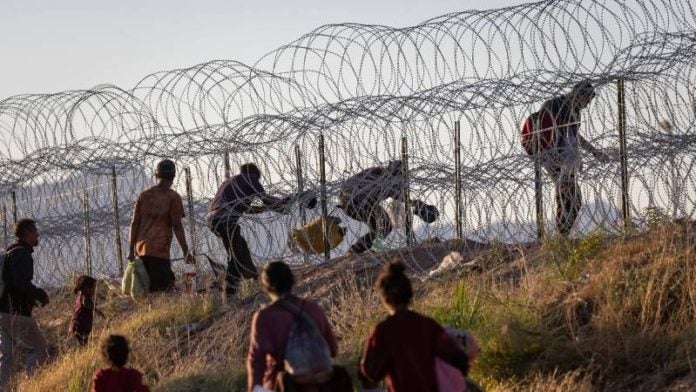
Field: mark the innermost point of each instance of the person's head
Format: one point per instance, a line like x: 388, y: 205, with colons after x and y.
x: 277, y: 279
x: 165, y: 170
x: 85, y: 284
x: 250, y: 170
x: 114, y: 351
x: 393, y: 286
x: 26, y: 231
x: 581, y: 94
x: 395, y: 168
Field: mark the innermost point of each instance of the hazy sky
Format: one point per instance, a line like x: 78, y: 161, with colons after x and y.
x: 54, y: 45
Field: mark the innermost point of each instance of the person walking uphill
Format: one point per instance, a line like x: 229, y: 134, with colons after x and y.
x: 234, y: 198
x: 272, y: 330
x: 19, y: 297
x: 562, y: 159
x: 157, y: 213
x: 403, y: 347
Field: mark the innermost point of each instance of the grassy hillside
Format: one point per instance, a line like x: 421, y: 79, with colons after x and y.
x: 583, y: 315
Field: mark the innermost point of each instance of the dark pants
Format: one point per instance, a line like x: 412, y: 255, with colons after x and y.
x: 371, y: 213
x: 160, y: 273
x: 568, y: 202
x: 81, y: 338
x: 340, y: 382
x: 239, y: 263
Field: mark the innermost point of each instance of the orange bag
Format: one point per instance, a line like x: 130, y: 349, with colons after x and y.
x: 310, y: 238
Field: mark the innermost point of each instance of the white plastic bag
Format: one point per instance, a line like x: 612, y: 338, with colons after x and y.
x: 136, y: 281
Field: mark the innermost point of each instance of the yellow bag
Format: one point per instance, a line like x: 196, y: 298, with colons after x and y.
x: 136, y: 281
x: 310, y: 237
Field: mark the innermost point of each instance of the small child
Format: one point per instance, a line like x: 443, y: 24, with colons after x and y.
x: 117, y: 377
x: 83, y: 311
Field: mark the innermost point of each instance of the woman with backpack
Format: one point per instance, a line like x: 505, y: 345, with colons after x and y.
x: 291, y: 342
x: 403, y: 348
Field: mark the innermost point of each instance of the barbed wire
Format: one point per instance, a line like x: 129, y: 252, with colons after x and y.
x: 365, y: 87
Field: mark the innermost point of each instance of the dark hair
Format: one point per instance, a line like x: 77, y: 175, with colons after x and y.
x: 393, y: 285
x: 23, y: 226
x: 83, y: 282
x: 250, y: 169
x: 114, y: 350
x: 277, y: 278
x: 585, y: 88
x: 166, y: 169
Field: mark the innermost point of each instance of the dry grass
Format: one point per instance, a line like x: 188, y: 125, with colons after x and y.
x: 581, y: 315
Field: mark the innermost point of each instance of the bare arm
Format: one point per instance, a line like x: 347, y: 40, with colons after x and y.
x: 587, y: 145
x: 598, y: 154
x: 269, y: 203
x: 180, y: 236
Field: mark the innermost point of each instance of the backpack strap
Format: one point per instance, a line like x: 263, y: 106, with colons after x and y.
x: 10, y: 250
x: 297, y: 312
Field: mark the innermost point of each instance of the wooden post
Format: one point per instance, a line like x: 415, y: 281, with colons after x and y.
x: 407, y: 195
x: 14, y: 207
x: 117, y: 221
x: 322, y: 196
x: 625, y: 202
x: 88, y: 243
x: 189, y: 198
x: 458, y: 179
x: 300, y: 187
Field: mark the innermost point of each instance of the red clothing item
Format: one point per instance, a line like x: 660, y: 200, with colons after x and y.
x: 83, y: 315
x: 270, y: 328
x: 121, y: 380
x: 402, y: 349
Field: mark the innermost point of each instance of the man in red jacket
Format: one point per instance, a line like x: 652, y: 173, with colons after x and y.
x: 18, y: 299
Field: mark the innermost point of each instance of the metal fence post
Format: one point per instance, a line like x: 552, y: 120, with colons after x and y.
x: 14, y: 207
x: 228, y: 171
x: 300, y: 187
x: 625, y: 202
x: 4, y: 223
x: 88, y: 242
x: 117, y: 220
x: 324, y: 208
x: 458, y: 179
x: 407, y: 195
x: 189, y: 198
x: 538, y: 180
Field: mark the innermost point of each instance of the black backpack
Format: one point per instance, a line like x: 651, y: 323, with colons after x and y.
x: 3, y: 258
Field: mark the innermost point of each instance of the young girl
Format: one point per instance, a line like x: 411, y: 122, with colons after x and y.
x: 83, y: 311
x: 117, y: 377
x: 403, y: 348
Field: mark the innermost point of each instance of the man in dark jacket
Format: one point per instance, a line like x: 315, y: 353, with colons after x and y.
x: 360, y: 198
x: 18, y: 299
x: 234, y: 198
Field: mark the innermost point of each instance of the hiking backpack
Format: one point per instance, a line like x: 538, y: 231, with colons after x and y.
x: 542, y: 125
x: 307, y: 355
x: 3, y: 257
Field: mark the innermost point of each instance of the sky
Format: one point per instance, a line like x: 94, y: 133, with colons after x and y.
x: 57, y: 45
